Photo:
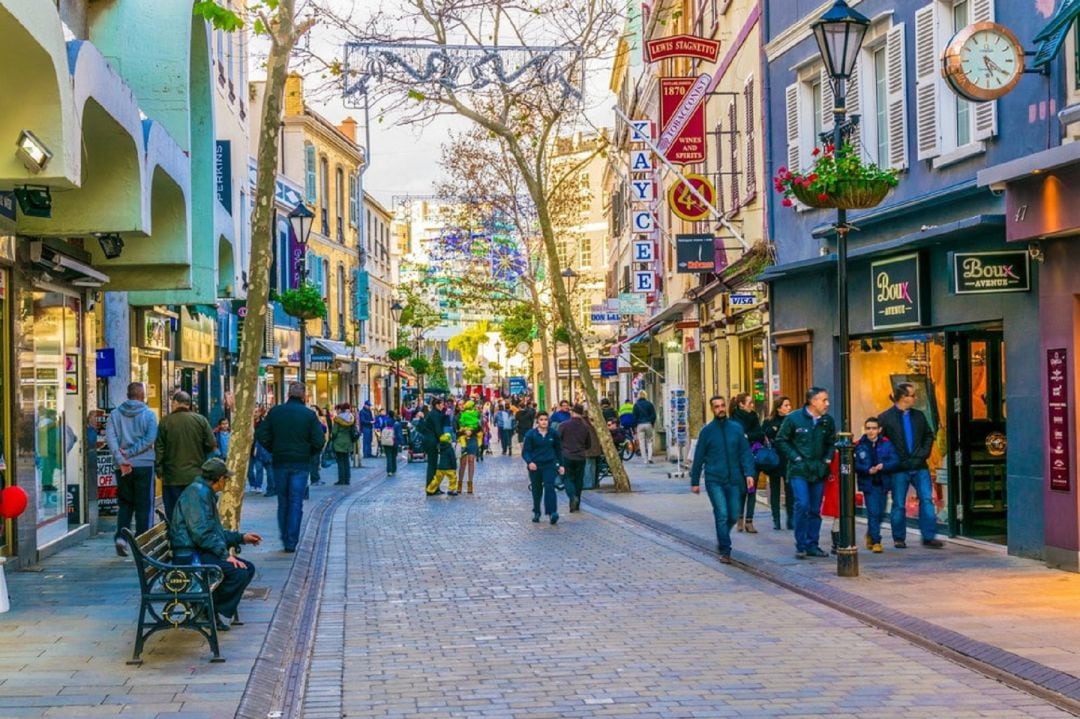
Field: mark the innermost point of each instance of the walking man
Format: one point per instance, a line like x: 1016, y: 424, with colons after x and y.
x: 367, y: 429
x: 131, y: 433
x: 909, y: 432
x: 294, y: 437
x: 524, y: 419
x: 807, y: 440
x: 575, y: 436
x: 434, y: 425
x: 542, y: 453
x: 195, y: 532
x: 504, y: 420
x: 645, y: 421
x: 723, y: 453
x: 184, y: 441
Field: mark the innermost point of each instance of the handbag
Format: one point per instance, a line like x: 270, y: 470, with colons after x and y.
x: 766, y: 459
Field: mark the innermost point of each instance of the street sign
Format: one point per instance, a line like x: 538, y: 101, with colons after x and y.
x: 642, y: 220
x: 683, y: 202
x: 105, y: 361
x: 609, y: 367
x: 601, y: 316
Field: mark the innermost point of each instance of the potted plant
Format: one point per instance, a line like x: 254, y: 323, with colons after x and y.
x: 838, y: 178
x: 304, y: 302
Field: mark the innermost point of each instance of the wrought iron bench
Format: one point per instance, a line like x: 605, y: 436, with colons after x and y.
x: 174, y: 596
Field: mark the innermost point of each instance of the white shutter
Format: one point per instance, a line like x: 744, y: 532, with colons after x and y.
x: 827, y: 103
x: 928, y: 130
x: 791, y: 95
x: 896, y: 97
x: 853, y: 104
x: 985, y: 112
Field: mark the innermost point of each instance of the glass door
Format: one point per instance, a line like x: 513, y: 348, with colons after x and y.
x: 979, y: 441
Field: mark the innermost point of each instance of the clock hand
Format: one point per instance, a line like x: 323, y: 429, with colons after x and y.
x: 991, y: 65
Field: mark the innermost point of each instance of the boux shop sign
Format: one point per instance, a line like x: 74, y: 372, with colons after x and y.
x: 896, y: 292
x: 984, y: 272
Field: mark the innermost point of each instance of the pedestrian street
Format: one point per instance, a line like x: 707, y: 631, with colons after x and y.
x: 461, y: 606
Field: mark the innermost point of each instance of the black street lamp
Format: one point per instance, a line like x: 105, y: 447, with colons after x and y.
x: 839, y: 33
x: 395, y: 312
x: 301, y: 219
x: 498, y: 364
x: 570, y: 279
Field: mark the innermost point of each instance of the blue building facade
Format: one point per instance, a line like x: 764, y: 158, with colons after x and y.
x: 918, y: 311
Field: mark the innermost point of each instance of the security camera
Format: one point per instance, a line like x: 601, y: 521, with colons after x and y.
x: 997, y: 188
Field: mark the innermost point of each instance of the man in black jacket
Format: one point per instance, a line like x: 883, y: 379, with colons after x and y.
x: 576, y: 437
x: 645, y: 423
x: 294, y: 437
x: 909, y: 432
x: 807, y: 440
x: 435, y: 423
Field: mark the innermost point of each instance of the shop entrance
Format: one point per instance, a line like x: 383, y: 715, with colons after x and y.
x: 977, y: 434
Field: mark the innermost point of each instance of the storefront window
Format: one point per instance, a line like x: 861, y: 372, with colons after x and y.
x: 877, y: 366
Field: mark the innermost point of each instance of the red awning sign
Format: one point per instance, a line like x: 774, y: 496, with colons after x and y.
x: 682, y: 117
x: 682, y: 46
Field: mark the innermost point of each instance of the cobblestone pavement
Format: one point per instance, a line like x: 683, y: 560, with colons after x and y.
x: 71, y: 628
x: 1012, y: 603
x: 440, y: 607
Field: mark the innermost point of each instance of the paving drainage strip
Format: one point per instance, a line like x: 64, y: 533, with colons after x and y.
x: 1055, y: 687
x: 276, y: 685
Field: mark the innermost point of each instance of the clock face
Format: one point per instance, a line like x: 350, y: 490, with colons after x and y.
x: 983, y: 61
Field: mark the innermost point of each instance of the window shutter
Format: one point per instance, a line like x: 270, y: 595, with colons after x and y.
x: 827, y: 103
x: 896, y: 97
x: 721, y: 198
x: 926, y: 84
x: 734, y: 154
x: 985, y: 112
x: 309, y: 173
x: 853, y: 104
x: 352, y: 199
x: 791, y: 96
x: 751, y: 163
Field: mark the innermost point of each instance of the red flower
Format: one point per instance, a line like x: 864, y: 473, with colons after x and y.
x: 830, y: 147
x: 816, y: 152
x: 812, y: 177
x: 822, y: 197
x: 781, y: 171
x: 787, y: 202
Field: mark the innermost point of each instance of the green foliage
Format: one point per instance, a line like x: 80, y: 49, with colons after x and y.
x: 518, y: 326
x: 420, y: 365
x: 399, y: 353
x: 305, y: 302
x: 473, y: 374
x: 438, y: 373
x: 469, y: 340
x: 561, y: 335
x: 417, y: 95
x: 221, y: 18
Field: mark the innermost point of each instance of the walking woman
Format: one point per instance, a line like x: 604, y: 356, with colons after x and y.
x: 391, y: 439
x: 342, y: 441
x: 778, y: 477
x: 744, y: 414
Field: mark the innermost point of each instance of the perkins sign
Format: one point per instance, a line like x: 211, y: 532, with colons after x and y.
x: 896, y: 292
x: 985, y: 272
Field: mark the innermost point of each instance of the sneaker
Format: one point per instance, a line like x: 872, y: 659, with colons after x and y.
x: 869, y: 542
x: 451, y: 494
x: 876, y: 548
x: 725, y: 559
x: 816, y: 552
x: 900, y: 544
x: 933, y: 543
x: 121, y: 548
x: 555, y: 518
x: 800, y: 554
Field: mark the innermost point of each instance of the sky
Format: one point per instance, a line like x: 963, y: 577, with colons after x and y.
x: 404, y: 159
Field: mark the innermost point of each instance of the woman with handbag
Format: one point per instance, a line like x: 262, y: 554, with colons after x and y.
x: 744, y: 414
x: 778, y: 476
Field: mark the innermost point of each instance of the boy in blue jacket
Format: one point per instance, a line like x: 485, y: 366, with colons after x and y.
x: 875, y: 461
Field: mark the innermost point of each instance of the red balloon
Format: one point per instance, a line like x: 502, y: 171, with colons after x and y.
x: 12, y: 502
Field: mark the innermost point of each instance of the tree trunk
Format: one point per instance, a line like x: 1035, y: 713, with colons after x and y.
x: 283, y: 37
x: 542, y: 331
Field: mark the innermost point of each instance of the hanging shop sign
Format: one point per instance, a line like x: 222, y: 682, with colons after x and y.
x: 694, y: 254
x: 518, y: 385
x: 197, y: 335
x: 743, y: 300
x: 644, y: 251
x: 682, y: 46
x: 642, y: 131
x: 600, y: 315
x: 631, y: 303
x: 223, y: 173
x: 986, y: 272
x: 679, y: 416
x: 896, y: 292
x: 609, y: 367
x: 682, y: 118
x: 105, y: 362
x: 685, y: 204
x: 642, y: 221
x: 156, y: 331
x: 1057, y: 407
x: 644, y: 281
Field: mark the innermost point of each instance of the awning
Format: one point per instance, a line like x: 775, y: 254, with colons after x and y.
x: 338, y: 350
x: 1052, y: 37
x: 672, y: 311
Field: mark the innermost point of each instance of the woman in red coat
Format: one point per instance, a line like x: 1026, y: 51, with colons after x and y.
x: 830, y: 503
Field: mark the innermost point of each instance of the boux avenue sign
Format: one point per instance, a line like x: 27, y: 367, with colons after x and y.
x: 986, y: 272
x: 896, y: 292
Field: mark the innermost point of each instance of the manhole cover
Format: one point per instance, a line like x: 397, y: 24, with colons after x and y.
x: 256, y: 593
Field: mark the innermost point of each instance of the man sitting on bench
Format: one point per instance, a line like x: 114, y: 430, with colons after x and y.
x: 197, y: 537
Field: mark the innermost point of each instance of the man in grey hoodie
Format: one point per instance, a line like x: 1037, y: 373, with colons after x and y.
x: 131, y: 432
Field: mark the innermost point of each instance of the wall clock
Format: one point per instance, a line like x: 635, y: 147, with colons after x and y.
x: 983, y: 61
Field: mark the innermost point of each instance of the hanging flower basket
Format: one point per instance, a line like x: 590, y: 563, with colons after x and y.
x: 860, y: 194
x: 812, y: 198
x: 838, y: 179
x: 304, y: 302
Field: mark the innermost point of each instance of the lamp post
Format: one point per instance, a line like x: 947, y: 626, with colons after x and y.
x: 300, y: 220
x: 570, y: 279
x: 839, y: 33
x: 498, y: 364
x: 395, y: 312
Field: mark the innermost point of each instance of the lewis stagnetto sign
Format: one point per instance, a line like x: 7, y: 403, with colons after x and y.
x: 896, y: 292
x: 682, y: 46
x: 984, y: 272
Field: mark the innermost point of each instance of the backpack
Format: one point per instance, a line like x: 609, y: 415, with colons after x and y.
x: 354, y: 432
x: 386, y: 436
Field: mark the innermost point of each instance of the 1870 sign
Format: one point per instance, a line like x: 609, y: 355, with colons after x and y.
x: 896, y: 292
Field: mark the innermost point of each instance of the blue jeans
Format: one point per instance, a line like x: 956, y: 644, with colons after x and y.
x: 808, y: 496
x: 924, y: 490
x: 727, y: 502
x: 874, y: 498
x: 542, y: 483
x: 256, y: 471
x: 291, y: 481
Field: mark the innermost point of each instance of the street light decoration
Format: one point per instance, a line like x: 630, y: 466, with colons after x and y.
x: 839, y: 34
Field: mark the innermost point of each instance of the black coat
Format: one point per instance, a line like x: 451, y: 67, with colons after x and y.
x: 751, y: 424
x: 892, y: 426
x: 770, y: 430
x: 435, y: 423
x: 291, y: 433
